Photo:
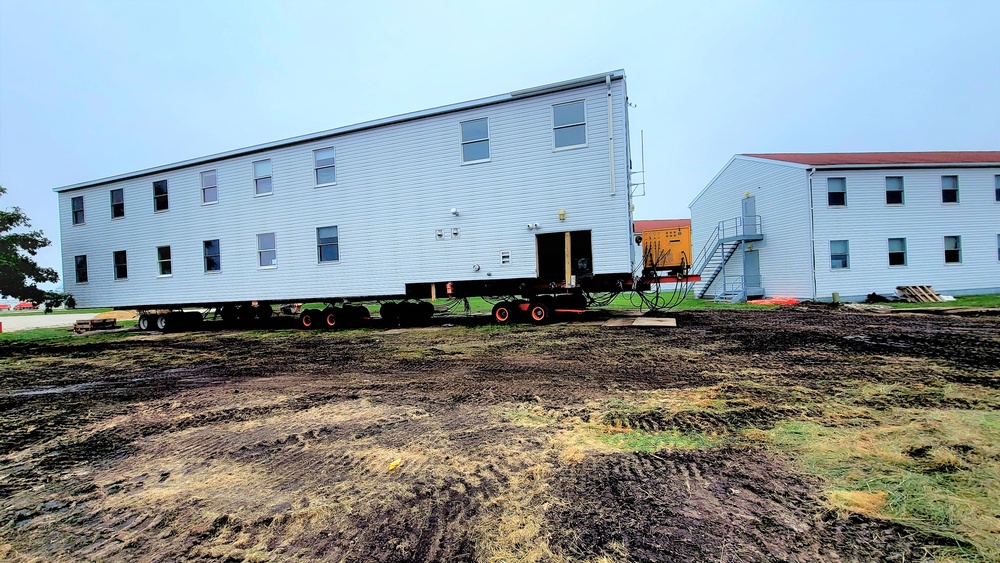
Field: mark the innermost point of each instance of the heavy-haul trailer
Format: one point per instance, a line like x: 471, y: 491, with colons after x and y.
x: 521, y: 194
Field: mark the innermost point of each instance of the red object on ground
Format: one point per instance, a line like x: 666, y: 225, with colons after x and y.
x: 25, y: 305
x: 4, y: 306
x: 776, y: 300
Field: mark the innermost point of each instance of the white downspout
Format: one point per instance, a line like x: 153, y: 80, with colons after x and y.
x: 611, y: 136
x: 812, y: 230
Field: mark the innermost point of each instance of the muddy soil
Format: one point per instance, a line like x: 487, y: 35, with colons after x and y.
x: 259, y: 446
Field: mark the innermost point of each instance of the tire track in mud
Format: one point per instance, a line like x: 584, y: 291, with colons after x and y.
x: 727, y: 504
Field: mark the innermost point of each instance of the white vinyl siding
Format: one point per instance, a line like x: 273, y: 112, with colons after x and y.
x: 386, y: 210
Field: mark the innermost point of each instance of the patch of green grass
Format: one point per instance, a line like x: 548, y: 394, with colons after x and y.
x: 639, y: 441
x: 983, y: 301
x: 57, y: 333
x: 526, y: 417
x: 938, y: 470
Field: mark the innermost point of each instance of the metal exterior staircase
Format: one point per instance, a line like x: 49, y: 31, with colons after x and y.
x: 725, y: 240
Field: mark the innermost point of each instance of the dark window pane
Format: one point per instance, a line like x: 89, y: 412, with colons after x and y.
x: 268, y: 258
x: 329, y: 253
x: 897, y: 258
x: 208, y: 179
x: 567, y: 114
x: 837, y: 198
x: 212, y: 264
x: 263, y: 185
x: 952, y: 256
x: 160, y: 187
x: 163, y: 252
x: 77, y: 207
x: 571, y: 136
x: 117, y: 196
x: 894, y: 197
x: 210, y: 195
x: 838, y: 261
x: 949, y: 196
x: 475, y: 130
x: 81, y: 269
x: 211, y: 247
x: 326, y: 175
x: 480, y: 150
x: 326, y: 235
x: 324, y: 157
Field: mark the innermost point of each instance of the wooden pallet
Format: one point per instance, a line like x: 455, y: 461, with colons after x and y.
x: 94, y: 324
x: 918, y: 294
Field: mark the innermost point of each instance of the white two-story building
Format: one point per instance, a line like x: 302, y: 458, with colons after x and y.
x: 811, y: 225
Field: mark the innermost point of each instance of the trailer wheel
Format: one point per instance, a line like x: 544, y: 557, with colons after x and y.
x: 426, y: 309
x: 540, y: 313
x: 390, y: 313
x: 503, y: 313
x: 164, y: 323
x: 309, y: 318
x: 144, y: 322
x: 328, y: 318
x: 263, y: 312
x: 229, y: 314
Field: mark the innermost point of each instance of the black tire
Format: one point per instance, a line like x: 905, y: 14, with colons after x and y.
x: 245, y: 314
x: 540, y: 313
x: 145, y: 322
x: 309, y: 319
x: 389, y: 313
x: 426, y: 311
x: 503, y: 313
x: 164, y: 323
x: 229, y: 314
x: 263, y: 312
x: 328, y: 318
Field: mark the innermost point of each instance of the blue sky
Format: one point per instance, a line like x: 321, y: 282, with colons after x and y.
x: 91, y: 88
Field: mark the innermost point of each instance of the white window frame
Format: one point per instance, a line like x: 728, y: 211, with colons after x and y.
x: 461, y: 137
x: 998, y: 247
x: 848, y: 255
x: 317, y: 168
x: 586, y: 136
x: 166, y: 196
x: 996, y: 188
x: 958, y: 238
x: 958, y: 192
x: 112, y: 194
x: 901, y: 190
x: 319, y: 246
x: 214, y: 186
x: 262, y: 251
x: 73, y: 210
x: 890, y: 251
x: 86, y: 272
x: 205, y: 255
x: 114, y: 264
x: 829, y: 191
x: 160, y: 262
x: 270, y: 177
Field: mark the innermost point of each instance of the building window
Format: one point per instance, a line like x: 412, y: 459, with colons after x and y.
x: 998, y: 248
x: 953, y: 250
x: 160, y: 202
x: 267, y: 255
x: 213, y: 255
x: 81, y: 268
x: 77, y: 206
x: 163, y: 259
x: 117, y: 203
x: 569, y: 125
x: 840, y: 254
x: 836, y: 191
x: 262, y: 177
x: 894, y: 190
x: 996, y: 183
x: 327, y: 244
x: 475, y: 140
x: 897, y: 252
x: 209, y: 187
x: 504, y: 257
x: 121, y: 265
x: 326, y: 170
x: 949, y: 189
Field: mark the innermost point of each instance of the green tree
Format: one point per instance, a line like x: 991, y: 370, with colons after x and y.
x: 19, y: 273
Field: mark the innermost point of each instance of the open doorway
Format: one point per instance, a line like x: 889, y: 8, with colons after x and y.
x: 555, y: 263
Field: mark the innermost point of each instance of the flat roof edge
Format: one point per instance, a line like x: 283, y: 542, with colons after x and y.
x: 440, y: 110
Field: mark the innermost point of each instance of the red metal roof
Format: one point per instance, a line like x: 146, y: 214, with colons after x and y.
x: 653, y: 224
x: 863, y: 158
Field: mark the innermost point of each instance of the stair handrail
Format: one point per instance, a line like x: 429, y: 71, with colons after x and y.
x: 705, y: 255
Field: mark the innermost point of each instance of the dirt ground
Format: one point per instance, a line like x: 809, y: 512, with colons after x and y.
x: 464, y: 443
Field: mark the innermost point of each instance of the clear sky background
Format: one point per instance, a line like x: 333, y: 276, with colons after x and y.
x: 94, y: 88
